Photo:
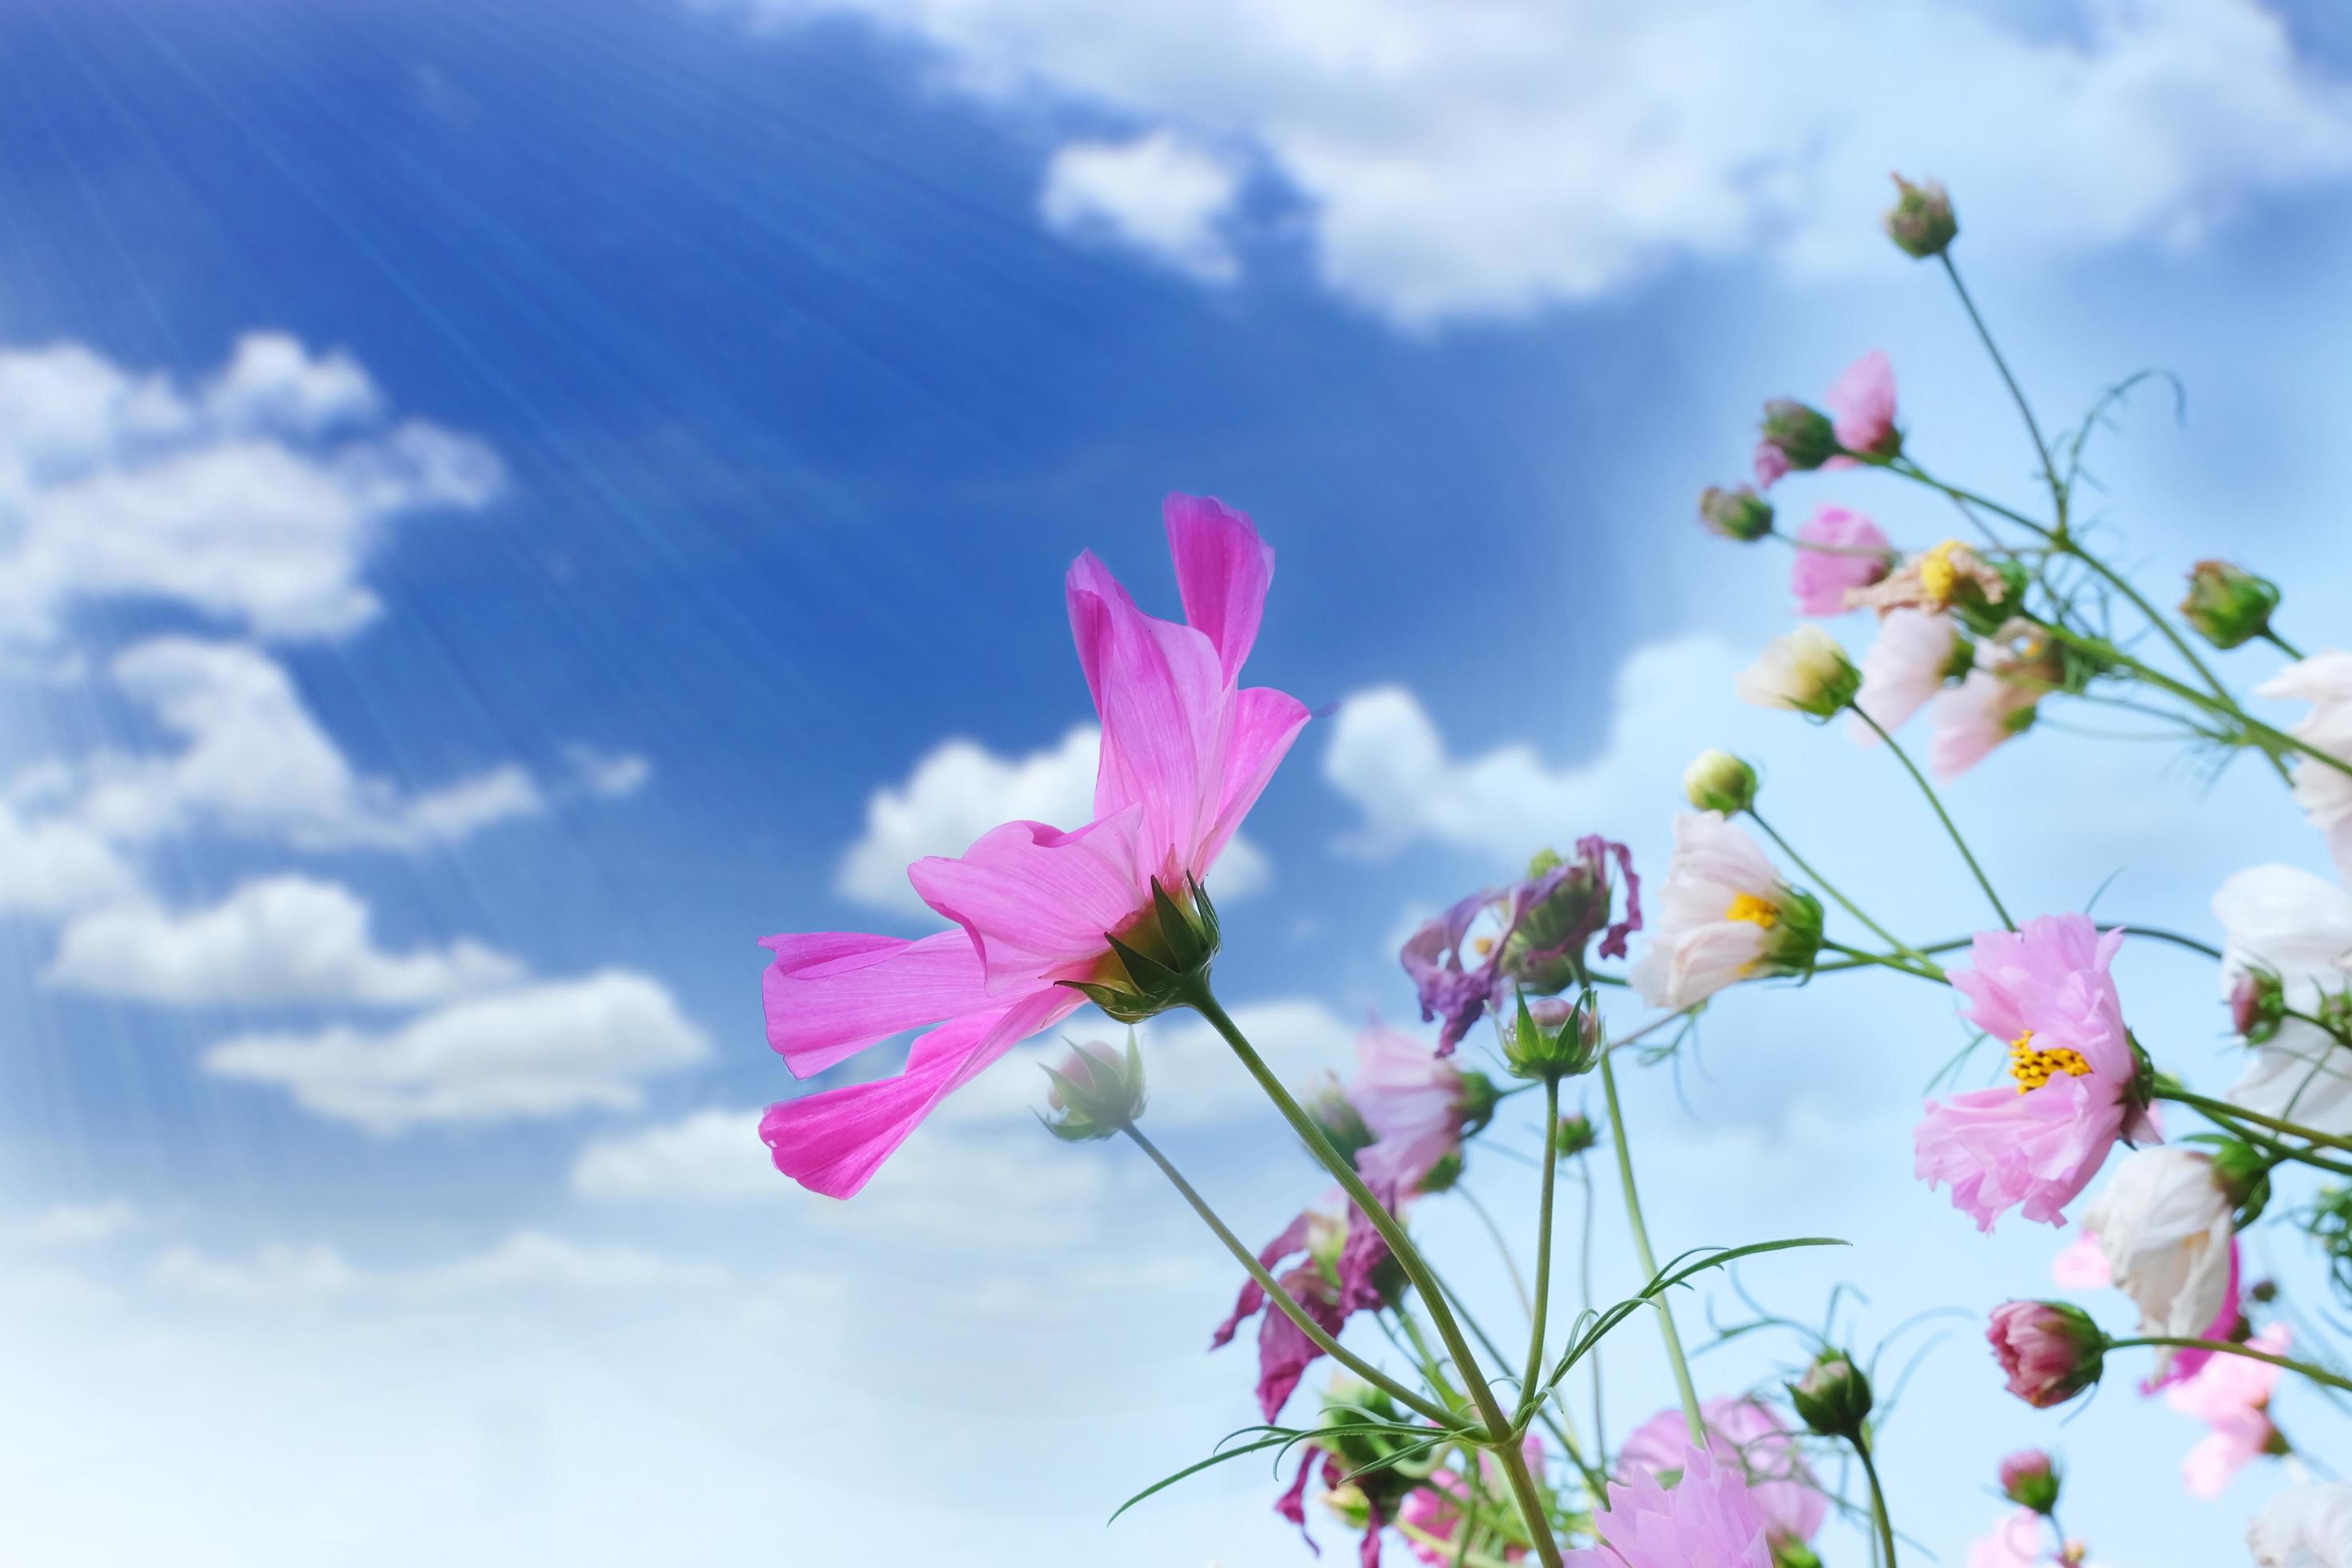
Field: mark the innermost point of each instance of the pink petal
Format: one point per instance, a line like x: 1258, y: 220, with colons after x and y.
x: 1162, y: 694
x: 1223, y: 571
x: 1265, y: 724
x: 1034, y: 898
x: 831, y: 994
x: 833, y: 1142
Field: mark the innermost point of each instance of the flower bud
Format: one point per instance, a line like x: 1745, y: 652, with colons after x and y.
x: 1920, y: 223
x: 1740, y: 514
x: 1834, y: 1398
x: 1157, y: 957
x: 1575, y: 1136
x: 2029, y: 1479
x: 2244, y: 1173
x: 2257, y: 1004
x: 1098, y: 1090
x: 1553, y: 1037
x: 2228, y: 605
x: 1718, y: 781
x: 2049, y: 1351
x: 1788, y: 1551
x: 1805, y: 670
x: 1328, y: 1106
x: 1802, y: 434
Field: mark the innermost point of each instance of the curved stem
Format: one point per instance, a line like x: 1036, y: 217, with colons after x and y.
x: 1553, y: 1412
x: 2231, y: 1347
x: 2175, y: 938
x: 1877, y: 1499
x: 1848, y: 905
x: 2276, y: 739
x: 1648, y: 1259
x: 2281, y: 644
x: 2041, y: 448
x: 1942, y: 816
x: 1283, y: 1299
x: 1529, y: 1395
x: 2223, y: 1112
x: 1859, y: 958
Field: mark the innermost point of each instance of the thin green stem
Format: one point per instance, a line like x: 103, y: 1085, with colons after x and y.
x: 2033, y: 428
x: 1861, y: 958
x: 1282, y: 1298
x: 1848, y: 905
x: 1944, y: 817
x: 2281, y: 644
x: 1553, y: 1414
x: 1877, y: 1499
x: 1514, y: 1463
x: 2276, y: 740
x: 2221, y: 1110
x: 1648, y: 1259
x: 1528, y: 1386
x: 2319, y: 1374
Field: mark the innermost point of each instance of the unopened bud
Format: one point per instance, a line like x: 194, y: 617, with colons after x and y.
x: 1920, y: 223
x: 1718, y: 781
x: 1740, y: 514
x: 1575, y: 1136
x: 2050, y: 1351
x: 2030, y: 1480
x: 2227, y: 605
x: 1802, y: 434
x: 1098, y: 1090
x: 1833, y: 1397
x: 2257, y: 1004
x: 1553, y: 1038
x: 2242, y: 1171
x: 1804, y: 670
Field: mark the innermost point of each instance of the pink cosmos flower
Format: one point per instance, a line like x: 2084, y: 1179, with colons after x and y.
x: 1907, y: 666
x: 2082, y: 1265
x: 2231, y: 1395
x: 1709, y: 1516
x: 1971, y: 720
x: 1415, y: 1103
x: 1862, y: 408
x: 2015, y: 1542
x: 1186, y: 750
x: 2048, y: 1350
x: 1434, y: 1508
x: 1339, y: 1255
x: 1820, y: 578
x: 1748, y: 1437
x: 2046, y: 990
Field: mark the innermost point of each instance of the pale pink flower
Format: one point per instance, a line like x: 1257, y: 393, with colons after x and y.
x: 1820, y: 578
x: 2045, y: 991
x: 2082, y: 1265
x: 2015, y: 1542
x: 1908, y: 664
x: 2048, y: 1350
x: 1861, y: 404
x: 2325, y: 792
x: 2309, y: 1526
x: 1771, y: 465
x: 2164, y: 1226
x: 1186, y: 751
x: 1415, y: 1103
x: 1433, y: 1508
x: 2278, y: 920
x: 1708, y: 1516
x: 2231, y: 1395
x: 1974, y: 719
x: 1747, y: 1436
x: 1725, y: 915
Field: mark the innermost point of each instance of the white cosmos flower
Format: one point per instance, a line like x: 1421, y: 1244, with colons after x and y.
x: 2308, y: 1527
x: 1907, y: 666
x: 1723, y: 915
x: 2163, y: 1224
x: 2290, y: 924
x: 1804, y: 670
x: 2325, y: 792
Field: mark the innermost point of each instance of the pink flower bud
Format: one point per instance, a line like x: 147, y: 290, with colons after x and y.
x: 2050, y: 1352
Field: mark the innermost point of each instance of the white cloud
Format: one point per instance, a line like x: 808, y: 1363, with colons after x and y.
x: 610, y: 775
x: 256, y: 763
x: 1455, y: 162
x: 527, y: 1263
x: 1158, y: 192
x: 53, y: 866
x: 541, y: 1050
x: 711, y: 1155
x: 274, y: 939
x: 68, y: 1225
x: 254, y: 497
x: 961, y: 789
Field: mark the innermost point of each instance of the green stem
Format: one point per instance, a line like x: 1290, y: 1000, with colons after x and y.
x: 2281, y: 644
x: 1848, y: 905
x: 1528, y: 1394
x: 1944, y: 817
x: 2033, y: 428
x: 2319, y: 1374
x: 1282, y: 1298
x: 1500, y: 1438
x: 1648, y: 1259
x: 1877, y: 1499
x: 2221, y: 1109
x: 2277, y: 739
x: 1859, y: 958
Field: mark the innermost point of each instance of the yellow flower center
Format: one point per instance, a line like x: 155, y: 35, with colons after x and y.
x: 1755, y: 911
x: 2033, y: 1068
x: 1484, y: 945
x: 1937, y: 576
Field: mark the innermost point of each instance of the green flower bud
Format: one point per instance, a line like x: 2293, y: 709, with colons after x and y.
x: 1920, y: 223
x: 1741, y: 514
x: 1794, y: 938
x: 2030, y: 1480
x: 2244, y: 1173
x: 1718, y: 781
x: 2257, y: 1004
x: 1553, y: 1038
x: 1806, y: 438
x: 2227, y: 605
x: 1804, y: 670
x: 1098, y: 1090
x: 1575, y: 1136
x: 1832, y: 1398
x: 1790, y: 1552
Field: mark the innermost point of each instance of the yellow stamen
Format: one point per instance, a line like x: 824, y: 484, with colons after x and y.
x: 2033, y: 1068
x: 1754, y: 910
x: 1937, y: 576
x: 1485, y: 945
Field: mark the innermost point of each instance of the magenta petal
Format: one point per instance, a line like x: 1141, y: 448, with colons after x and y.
x: 1266, y: 722
x: 1270, y: 1256
x: 833, y: 1142
x: 1162, y: 697
x: 830, y: 994
x: 1223, y: 571
x: 1034, y: 898
x: 1284, y: 1351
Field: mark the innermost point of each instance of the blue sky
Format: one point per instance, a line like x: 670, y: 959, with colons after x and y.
x: 498, y: 505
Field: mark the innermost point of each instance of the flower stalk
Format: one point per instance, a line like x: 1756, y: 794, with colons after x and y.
x: 1648, y: 1259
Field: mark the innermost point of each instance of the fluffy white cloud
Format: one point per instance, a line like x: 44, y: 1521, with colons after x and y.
x: 255, y: 761
x: 274, y: 939
x: 711, y: 1155
x: 1456, y: 163
x: 53, y: 866
x: 1159, y: 194
x: 254, y: 497
x: 527, y: 1263
x: 68, y: 1225
x: 541, y: 1050
x: 961, y: 789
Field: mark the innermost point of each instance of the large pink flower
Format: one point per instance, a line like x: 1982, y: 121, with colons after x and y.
x: 1821, y: 577
x: 1862, y: 407
x: 1747, y: 1436
x: 1186, y: 750
x: 1708, y: 1515
x: 2231, y: 1395
x: 2046, y: 992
